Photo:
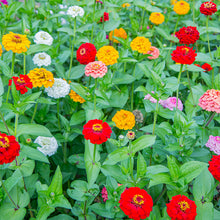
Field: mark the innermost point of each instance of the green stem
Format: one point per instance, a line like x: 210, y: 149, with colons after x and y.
x: 190, y: 87
x: 132, y: 89
x: 65, y: 152
x: 58, y: 113
x: 9, y: 196
x: 72, y: 50
x: 16, y: 123
x: 210, y: 119
x: 12, y: 71
x: 94, y: 152
x: 142, y: 20
x: 207, y: 25
x: 194, y: 11
x: 131, y: 161
x: 6, y: 126
x: 155, y: 117
x: 84, y: 209
x: 96, y: 82
x: 93, y: 20
x: 178, y: 82
x: 24, y: 64
x: 35, y: 111
x: 177, y: 22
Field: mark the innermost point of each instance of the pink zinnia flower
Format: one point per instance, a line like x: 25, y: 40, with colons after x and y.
x: 214, y: 144
x: 104, y: 194
x: 210, y: 101
x: 96, y: 69
x: 154, y: 52
x: 170, y: 103
x: 5, y: 2
x: 150, y: 98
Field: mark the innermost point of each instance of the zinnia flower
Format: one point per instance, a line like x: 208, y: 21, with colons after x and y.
x: 214, y: 144
x: 214, y: 167
x: 48, y: 145
x: 156, y: 18
x: 124, y: 120
x: 150, y: 98
x: 41, y: 77
x: 170, y: 103
x: 59, y: 89
x: 141, y: 44
x: 120, y: 33
x: 96, y: 69
x: 43, y: 37
x: 97, y: 131
x: 21, y: 83
x: 42, y: 59
x: 154, y: 52
x: 126, y: 5
x: 17, y: 43
x: 104, y: 194
x: 136, y: 203
x: 9, y: 148
x: 184, y: 55
x: 5, y: 2
x: 181, y: 208
x: 181, y: 7
x: 210, y: 101
x: 106, y: 17
x: 75, y: 97
x: 187, y: 35
x: 207, y: 67
x: 108, y: 55
x: 208, y: 8
x: 86, y: 53
x: 130, y: 135
x: 75, y: 11
x: 139, y: 118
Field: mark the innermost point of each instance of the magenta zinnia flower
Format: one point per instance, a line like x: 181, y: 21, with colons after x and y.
x: 5, y: 2
x: 214, y: 144
x: 170, y: 103
x: 96, y: 69
x: 150, y: 98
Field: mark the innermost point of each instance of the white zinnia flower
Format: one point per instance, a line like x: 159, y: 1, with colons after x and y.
x: 43, y: 37
x: 63, y: 21
x: 62, y: 6
x: 48, y: 145
x: 59, y: 89
x: 75, y: 11
x: 42, y: 59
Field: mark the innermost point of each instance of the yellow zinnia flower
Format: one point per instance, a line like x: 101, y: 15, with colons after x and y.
x: 172, y: 2
x: 108, y: 55
x: 124, y: 120
x: 141, y: 44
x: 41, y: 77
x: 181, y: 7
x: 126, y: 5
x: 75, y: 97
x: 120, y: 33
x: 156, y: 18
x: 17, y: 43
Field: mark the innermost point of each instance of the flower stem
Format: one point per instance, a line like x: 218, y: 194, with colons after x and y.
x: 93, y: 20
x: 58, y: 113
x: 24, y: 64
x: 132, y: 89
x: 207, y: 26
x: 155, y: 117
x: 177, y: 92
x: 72, y: 50
x: 35, y: 111
x: 96, y: 82
x: 9, y: 196
x: 194, y: 11
x: 6, y: 126
x: 210, y: 119
x: 16, y: 123
x: 12, y: 71
x: 65, y: 152
x: 131, y: 161
x: 190, y: 87
x: 94, y: 152
x: 177, y: 22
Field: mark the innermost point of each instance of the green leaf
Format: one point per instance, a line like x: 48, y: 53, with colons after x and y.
x: 61, y: 217
x: 35, y: 48
x: 44, y: 212
x: 173, y: 168
x: 141, y: 165
x: 201, y: 57
x: 142, y: 142
x: 191, y: 170
x: 61, y: 201
x: 56, y: 184
x: 26, y: 168
x: 33, y: 129
x: 78, y: 118
x: 100, y: 209
x: 34, y: 154
x: 111, y: 25
x: 79, y: 89
x: 1, y: 91
x: 5, y: 68
x: 67, y: 30
x: 8, y: 212
x: 76, y: 72
x: 205, y: 211
x: 161, y: 178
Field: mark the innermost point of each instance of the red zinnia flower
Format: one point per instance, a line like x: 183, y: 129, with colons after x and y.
x: 206, y: 67
x: 136, y: 203
x: 9, y: 148
x: 184, y: 55
x: 86, y: 53
x: 197, y: 65
x: 181, y: 208
x: 96, y: 131
x: 21, y: 83
x: 208, y: 8
x: 106, y: 17
x: 214, y: 167
x: 187, y: 35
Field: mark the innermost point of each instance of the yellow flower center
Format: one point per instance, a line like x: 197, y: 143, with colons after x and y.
x: 16, y: 39
x: 82, y: 51
x: 20, y: 81
x: 186, y: 50
x: 97, y: 127
x: 42, y: 57
x: 208, y: 5
x: 138, y: 200
x: 95, y: 66
x: 183, y: 205
x: 4, y: 142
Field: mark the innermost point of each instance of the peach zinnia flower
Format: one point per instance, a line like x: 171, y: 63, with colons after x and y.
x: 154, y: 52
x: 210, y: 101
x: 96, y: 69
